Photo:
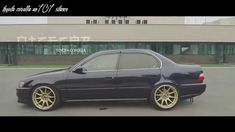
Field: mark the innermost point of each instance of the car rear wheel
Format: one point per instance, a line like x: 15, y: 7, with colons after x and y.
x: 45, y: 98
x: 164, y: 97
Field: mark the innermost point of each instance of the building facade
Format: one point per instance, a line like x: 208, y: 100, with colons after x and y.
x: 69, y: 43
x: 116, y: 20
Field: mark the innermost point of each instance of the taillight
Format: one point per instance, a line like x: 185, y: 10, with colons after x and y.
x: 201, y: 77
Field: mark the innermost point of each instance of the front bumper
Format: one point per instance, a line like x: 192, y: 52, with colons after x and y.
x: 23, y: 95
x: 191, y: 90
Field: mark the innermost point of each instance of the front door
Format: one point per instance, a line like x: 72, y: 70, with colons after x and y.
x: 97, y: 82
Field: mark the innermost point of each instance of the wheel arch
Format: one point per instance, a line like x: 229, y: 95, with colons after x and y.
x: 169, y: 82
x: 166, y: 82
x: 44, y: 84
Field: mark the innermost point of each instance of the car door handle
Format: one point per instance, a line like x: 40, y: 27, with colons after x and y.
x: 109, y: 78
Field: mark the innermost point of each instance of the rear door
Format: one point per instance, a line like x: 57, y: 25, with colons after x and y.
x: 137, y: 74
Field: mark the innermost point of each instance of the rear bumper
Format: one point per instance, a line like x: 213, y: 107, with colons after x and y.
x: 191, y: 90
x: 23, y: 95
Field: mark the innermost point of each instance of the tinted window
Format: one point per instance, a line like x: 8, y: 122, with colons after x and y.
x: 138, y: 22
x: 94, y: 21
x: 135, y: 61
x: 103, y: 62
x: 88, y: 22
x: 106, y: 21
x: 145, y: 22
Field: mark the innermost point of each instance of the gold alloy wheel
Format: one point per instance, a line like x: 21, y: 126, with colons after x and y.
x: 166, y: 96
x: 43, y: 97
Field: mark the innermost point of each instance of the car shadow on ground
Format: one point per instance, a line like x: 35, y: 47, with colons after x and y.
x: 105, y: 105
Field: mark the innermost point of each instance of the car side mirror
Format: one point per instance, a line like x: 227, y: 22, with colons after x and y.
x: 80, y: 70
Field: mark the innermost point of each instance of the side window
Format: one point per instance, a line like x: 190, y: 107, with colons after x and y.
x: 103, y: 62
x: 138, y: 60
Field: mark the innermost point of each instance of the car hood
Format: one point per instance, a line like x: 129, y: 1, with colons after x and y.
x: 49, y: 73
x: 53, y: 73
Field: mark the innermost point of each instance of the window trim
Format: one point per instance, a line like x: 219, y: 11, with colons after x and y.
x: 101, y: 71
x: 154, y: 57
x: 138, y: 69
x: 118, y: 61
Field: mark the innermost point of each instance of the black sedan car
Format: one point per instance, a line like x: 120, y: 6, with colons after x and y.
x: 128, y: 74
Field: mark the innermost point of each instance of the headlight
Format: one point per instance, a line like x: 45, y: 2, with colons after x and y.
x: 21, y: 84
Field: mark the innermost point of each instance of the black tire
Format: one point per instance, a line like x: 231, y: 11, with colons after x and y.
x: 165, y: 98
x: 54, y: 92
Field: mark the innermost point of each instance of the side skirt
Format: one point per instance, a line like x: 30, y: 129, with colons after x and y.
x: 126, y: 99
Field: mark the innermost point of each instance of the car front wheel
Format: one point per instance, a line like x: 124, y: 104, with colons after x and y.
x: 164, y: 97
x: 45, y: 98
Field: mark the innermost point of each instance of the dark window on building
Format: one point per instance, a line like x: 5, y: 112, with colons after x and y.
x: 168, y: 48
x: 206, y: 48
x: 144, y: 22
x: 106, y: 21
x: 229, y: 49
x: 94, y: 21
x: 126, y: 21
x: 113, y: 22
x: 185, y: 49
x: 103, y: 62
x: 47, y: 49
x: 138, y: 60
x: 119, y: 21
x: 138, y: 22
x: 88, y: 21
